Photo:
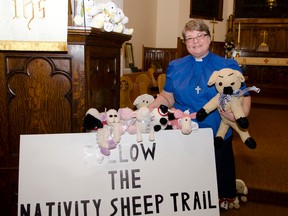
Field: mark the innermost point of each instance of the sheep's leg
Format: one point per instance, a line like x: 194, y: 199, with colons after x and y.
x: 223, y: 128
x: 138, y: 134
x: 245, y: 137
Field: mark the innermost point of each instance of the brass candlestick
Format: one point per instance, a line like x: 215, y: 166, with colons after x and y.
x: 213, y: 32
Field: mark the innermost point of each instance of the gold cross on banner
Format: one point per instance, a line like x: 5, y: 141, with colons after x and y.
x: 264, y: 38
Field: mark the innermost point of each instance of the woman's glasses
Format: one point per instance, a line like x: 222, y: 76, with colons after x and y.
x: 198, y: 37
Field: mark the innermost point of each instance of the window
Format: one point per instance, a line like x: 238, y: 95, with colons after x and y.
x: 260, y: 9
x: 208, y: 9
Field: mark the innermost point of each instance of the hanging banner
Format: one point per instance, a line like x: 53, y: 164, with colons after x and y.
x: 33, y: 25
x: 65, y: 174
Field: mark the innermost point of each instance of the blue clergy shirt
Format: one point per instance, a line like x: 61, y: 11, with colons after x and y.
x: 185, y: 74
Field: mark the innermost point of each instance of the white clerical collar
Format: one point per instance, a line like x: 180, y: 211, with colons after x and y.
x: 201, y: 59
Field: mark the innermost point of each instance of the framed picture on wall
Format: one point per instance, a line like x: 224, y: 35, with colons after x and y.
x: 208, y: 9
x: 129, y: 55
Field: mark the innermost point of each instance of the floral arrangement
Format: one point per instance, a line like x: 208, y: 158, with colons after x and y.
x: 228, y: 46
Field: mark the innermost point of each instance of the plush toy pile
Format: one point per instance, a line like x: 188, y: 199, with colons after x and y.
x: 112, y: 124
x: 241, y: 197
x: 106, y: 16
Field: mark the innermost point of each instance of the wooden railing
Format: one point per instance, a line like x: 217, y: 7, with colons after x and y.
x: 269, y: 72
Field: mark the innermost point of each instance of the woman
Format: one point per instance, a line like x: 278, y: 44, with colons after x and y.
x: 186, y: 89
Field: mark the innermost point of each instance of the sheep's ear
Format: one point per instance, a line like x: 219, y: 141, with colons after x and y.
x: 103, y: 117
x: 136, y: 101
x: 193, y: 115
x: 240, y: 76
x: 178, y: 114
x: 213, y: 78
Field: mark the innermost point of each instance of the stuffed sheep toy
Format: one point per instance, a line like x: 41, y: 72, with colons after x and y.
x: 229, y: 97
x: 144, y: 124
x: 110, y: 135
x: 102, y: 20
x: 183, y: 121
x: 241, y: 190
x: 128, y: 119
x: 119, y: 21
x: 159, y: 117
x: 93, y: 120
x: 143, y: 100
x: 84, y: 11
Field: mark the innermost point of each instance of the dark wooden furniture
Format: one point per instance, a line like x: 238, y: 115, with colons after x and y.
x: 161, y: 57
x: 272, y: 79
x: 157, y: 57
x: 209, y: 9
x: 252, y: 34
x: 260, y: 9
x: 47, y: 92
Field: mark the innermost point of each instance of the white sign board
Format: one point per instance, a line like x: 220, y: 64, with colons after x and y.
x: 65, y: 174
x: 37, y: 25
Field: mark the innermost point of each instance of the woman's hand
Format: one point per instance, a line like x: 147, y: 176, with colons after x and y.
x: 228, y: 115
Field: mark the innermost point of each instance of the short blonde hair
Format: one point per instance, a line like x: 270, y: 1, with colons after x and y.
x: 195, y: 25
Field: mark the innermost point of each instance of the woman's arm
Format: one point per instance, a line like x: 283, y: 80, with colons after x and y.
x: 246, y: 109
x: 164, y: 98
x: 247, y: 105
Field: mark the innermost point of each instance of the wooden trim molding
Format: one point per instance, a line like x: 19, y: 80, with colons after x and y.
x: 262, y: 61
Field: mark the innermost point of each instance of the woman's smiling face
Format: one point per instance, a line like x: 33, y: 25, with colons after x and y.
x: 197, y: 43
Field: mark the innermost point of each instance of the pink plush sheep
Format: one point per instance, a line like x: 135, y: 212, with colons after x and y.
x: 128, y: 119
x: 183, y: 120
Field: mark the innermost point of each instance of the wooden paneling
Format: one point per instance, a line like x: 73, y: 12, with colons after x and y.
x: 104, y: 78
x: 271, y: 79
x: 46, y: 92
x: 209, y: 9
x: 35, y: 86
x: 260, y: 9
x: 36, y: 98
x: 100, y: 53
x: 251, y: 34
x: 217, y: 47
x: 159, y: 56
x: 8, y: 191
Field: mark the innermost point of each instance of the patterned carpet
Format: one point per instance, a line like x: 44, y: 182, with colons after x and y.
x: 252, y: 208
x: 264, y: 169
